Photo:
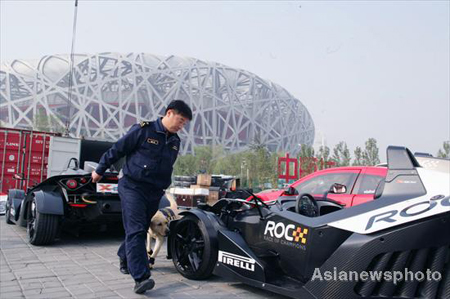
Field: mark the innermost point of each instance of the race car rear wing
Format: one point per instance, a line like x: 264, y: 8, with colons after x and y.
x: 399, y: 157
x: 402, y: 179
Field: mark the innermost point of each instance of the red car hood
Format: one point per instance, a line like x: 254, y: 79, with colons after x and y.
x: 269, y: 195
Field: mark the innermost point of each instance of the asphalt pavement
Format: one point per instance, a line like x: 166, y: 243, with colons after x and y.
x: 86, y: 266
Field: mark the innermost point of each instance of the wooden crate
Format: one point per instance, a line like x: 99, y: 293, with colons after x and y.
x: 199, y: 187
x: 213, y: 197
x: 204, y: 179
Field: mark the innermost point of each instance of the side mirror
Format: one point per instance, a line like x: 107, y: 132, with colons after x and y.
x: 338, y: 189
x: 290, y: 191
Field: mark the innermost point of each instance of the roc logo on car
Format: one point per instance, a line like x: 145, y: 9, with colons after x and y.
x: 285, y: 232
x: 409, y: 211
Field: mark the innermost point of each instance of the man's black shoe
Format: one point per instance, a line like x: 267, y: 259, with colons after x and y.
x: 144, y: 285
x: 123, y: 267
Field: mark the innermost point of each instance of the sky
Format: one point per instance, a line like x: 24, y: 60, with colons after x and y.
x: 363, y: 69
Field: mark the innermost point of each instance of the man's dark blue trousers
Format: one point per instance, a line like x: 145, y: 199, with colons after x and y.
x: 139, y: 203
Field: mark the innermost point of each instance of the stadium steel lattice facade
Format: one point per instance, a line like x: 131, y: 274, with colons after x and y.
x: 110, y: 92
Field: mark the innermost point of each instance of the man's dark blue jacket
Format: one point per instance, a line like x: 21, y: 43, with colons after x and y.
x: 150, y: 153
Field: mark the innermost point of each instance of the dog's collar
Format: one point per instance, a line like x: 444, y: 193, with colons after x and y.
x: 168, y: 213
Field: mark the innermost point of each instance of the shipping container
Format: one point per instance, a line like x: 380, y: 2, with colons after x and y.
x: 24, y: 153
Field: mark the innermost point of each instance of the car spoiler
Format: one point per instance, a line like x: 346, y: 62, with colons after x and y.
x: 399, y: 157
x: 402, y: 169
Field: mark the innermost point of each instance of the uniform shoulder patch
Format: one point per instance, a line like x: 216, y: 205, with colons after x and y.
x: 144, y: 123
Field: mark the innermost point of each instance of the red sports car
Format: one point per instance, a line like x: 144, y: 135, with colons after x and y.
x: 360, y: 185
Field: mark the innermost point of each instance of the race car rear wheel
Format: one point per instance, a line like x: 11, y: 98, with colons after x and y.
x: 8, y: 213
x: 41, y: 228
x: 12, y: 194
x: 192, y: 253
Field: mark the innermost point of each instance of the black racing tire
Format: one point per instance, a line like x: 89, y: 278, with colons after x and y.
x: 41, y: 228
x: 185, y: 178
x: 191, y: 248
x: 12, y: 193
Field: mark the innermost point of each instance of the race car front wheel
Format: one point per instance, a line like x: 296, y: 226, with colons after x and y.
x: 192, y: 253
x: 41, y: 228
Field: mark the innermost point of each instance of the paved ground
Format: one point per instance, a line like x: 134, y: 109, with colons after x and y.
x: 87, y: 267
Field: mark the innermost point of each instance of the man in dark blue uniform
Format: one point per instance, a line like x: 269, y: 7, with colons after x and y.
x: 151, y: 149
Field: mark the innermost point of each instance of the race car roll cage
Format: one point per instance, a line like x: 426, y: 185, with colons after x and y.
x: 304, y: 204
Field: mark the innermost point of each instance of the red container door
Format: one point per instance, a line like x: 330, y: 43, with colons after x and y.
x: 36, y: 158
x: 23, y: 152
x: 10, y: 148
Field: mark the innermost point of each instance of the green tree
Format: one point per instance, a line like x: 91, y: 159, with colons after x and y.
x: 358, y: 161
x: 274, y: 171
x: 306, y: 151
x: 307, y: 159
x: 341, y: 154
x: 41, y: 121
x: 46, y: 123
x: 445, y: 151
x: 262, y: 163
x: 185, y: 165
x: 229, y: 163
x: 370, y: 154
x: 323, y: 156
x: 204, y: 159
x: 265, y: 166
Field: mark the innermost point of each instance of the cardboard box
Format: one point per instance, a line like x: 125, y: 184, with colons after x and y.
x: 189, y: 191
x: 212, y: 198
x: 199, y: 187
x: 204, y: 179
x: 213, y: 195
x: 182, y: 191
x: 201, y: 191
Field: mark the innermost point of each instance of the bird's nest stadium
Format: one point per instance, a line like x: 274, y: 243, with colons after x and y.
x: 109, y: 92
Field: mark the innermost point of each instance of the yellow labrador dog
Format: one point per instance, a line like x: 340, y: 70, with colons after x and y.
x: 159, y: 226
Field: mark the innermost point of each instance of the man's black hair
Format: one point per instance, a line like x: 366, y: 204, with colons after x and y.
x: 180, y: 107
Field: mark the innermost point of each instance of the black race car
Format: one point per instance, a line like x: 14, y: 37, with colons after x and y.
x: 396, y: 246
x: 69, y: 200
